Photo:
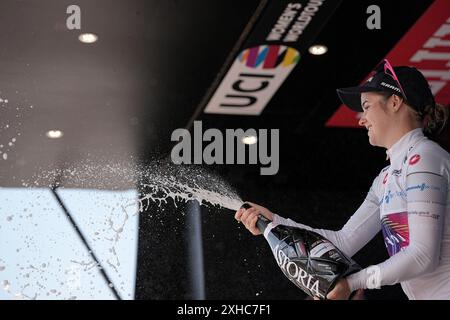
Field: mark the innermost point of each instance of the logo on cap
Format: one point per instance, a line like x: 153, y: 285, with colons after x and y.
x: 384, y: 84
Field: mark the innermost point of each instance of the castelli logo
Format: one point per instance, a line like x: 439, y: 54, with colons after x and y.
x: 295, y: 273
x: 385, y: 178
x: 414, y: 159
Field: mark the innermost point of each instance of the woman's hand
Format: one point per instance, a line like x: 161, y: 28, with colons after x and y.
x: 341, y: 291
x: 250, y: 216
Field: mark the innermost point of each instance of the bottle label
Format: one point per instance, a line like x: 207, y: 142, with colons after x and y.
x: 269, y: 227
x: 322, y: 248
x: 297, y: 274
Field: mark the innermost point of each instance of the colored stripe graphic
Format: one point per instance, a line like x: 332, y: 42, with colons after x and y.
x: 262, y: 56
x: 252, y: 57
x: 291, y: 57
x: 271, y: 58
x: 281, y: 56
x: 244, y: 55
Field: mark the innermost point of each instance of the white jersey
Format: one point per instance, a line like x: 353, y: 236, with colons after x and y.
x: 409, y: 202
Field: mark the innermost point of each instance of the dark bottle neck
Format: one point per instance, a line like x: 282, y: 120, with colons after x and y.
x: 262, y: 223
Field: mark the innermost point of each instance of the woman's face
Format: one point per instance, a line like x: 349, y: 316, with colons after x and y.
x: 375, y: 118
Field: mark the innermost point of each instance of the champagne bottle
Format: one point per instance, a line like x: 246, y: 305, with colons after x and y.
x: 305, y: 257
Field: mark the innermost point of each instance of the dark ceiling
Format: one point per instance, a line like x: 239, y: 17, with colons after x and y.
x: 149, y: 73
x: 151, y: 69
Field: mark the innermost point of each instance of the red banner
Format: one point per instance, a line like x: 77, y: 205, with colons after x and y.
x: 425, y: 46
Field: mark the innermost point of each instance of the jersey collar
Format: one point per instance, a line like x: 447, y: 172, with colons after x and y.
x: 405, y: 143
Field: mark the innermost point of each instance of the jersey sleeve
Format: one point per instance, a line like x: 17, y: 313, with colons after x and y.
x: 426, y: 192
x: 362, y: 226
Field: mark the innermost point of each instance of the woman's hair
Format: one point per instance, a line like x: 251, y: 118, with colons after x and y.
x: 434, y: 119
x: 433, y: 116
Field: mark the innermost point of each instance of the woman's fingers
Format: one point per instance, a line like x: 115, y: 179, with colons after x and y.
x: 238, y: 214
x: 359, y: 295
x: 250, y: 223
x: 341, y: 291
x: 248, y: 217
x: 262, y: 210
x: 254, y: 229
x: 248, y: 214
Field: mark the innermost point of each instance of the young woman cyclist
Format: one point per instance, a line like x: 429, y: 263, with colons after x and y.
x: 409, y: 200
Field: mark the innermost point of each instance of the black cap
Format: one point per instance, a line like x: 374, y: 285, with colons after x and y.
x: 415, y: 87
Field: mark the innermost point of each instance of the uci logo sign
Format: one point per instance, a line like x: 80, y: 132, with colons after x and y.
x: 253, y: 79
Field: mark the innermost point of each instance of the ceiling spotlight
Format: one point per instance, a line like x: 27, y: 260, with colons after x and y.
x: 318, y: 49
x: 249, y: 140
x: 54, y: 134
x: 87, y: 37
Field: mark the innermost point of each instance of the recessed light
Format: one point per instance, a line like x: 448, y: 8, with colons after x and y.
x: 249, y: 140
x: 318, y: 49
x: 87, y: 37
x: 54, y: 134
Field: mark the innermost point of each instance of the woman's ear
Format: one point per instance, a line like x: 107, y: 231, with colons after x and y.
x: 396, y: 102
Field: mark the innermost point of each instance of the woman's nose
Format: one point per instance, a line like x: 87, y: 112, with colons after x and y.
x: 362, y: 120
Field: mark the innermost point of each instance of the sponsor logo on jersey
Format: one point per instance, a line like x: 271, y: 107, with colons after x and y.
x: 395, y: 229
x: 385, y: 178
x: 389, y: 195
x: 414, y: 159
x: 422, y: 187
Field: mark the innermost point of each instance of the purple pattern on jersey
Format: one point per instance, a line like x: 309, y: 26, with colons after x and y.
x: 395, y: 231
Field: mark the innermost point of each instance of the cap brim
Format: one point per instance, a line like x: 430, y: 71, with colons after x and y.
x: 351, y: 96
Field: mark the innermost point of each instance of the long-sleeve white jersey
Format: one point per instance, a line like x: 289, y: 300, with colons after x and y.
x: 410, y: 202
